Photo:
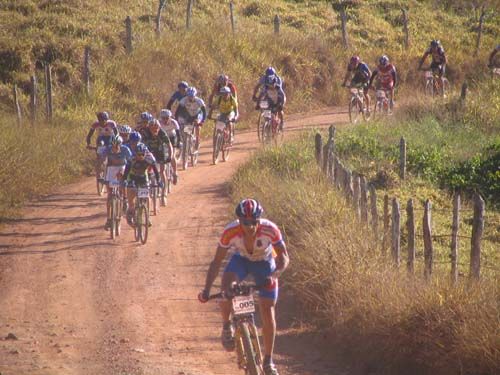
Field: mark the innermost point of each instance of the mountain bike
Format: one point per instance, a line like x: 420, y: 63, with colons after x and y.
x: 169, y: 173
x: 100, y: 168
x: 382, y: 104
x: 221, y: 138
x: 155, y: 194
x: 115, y: 211
x: 265, y: 114
x: 248, y: 349
x: 357, y: 106
x: 432, y: 85
x: 189, y: 151
x: 141, y: 217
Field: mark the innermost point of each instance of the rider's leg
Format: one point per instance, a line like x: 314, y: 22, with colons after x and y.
x: 227, y: 336
x: 197, y: 136
x: 267, y: 313
x: 367, y: 98
x: 131, y: 195
x: 108, y: 208
x: 163, y: 176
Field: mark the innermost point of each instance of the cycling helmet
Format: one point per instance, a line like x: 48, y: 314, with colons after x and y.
x: 154, y: 122
x: 116, y: 140
x: 165, y: 113
x: 249, y: 209
x: 183, y: 85
x: 102, y: 116
x: 270, y: 71
x: 435, y: 43
x: 141, y: 149
x: 124, y: 129
x: 191, y: 92
x: 225, y: 90
x: 222, y: 79
x: 355, y: 60
x: 384, y: 60
x: 135, y: 137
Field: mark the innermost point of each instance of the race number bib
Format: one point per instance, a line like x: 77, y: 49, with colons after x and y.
x: 220, y: 125
x: 143, y: 193
x: 243, y: 305
x: 188, y: 129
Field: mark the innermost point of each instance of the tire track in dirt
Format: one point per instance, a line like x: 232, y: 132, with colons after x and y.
x: 80, y: 303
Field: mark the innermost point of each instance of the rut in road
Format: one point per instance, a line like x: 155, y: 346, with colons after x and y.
x: 80, y: 303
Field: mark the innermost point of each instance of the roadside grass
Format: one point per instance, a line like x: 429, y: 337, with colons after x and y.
x: 379, y: 316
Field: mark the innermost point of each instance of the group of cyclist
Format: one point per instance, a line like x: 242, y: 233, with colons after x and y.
x: 385, y: 75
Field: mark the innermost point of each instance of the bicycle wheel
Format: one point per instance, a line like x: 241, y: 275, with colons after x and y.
x: 144, y: 223
x: 260, y: 127
x: 445, y: 87
x: 217, y: 146
x: 170, y: 177
x: 112, y: 217
x: 354, y: 112
x: 193, y: 154
x: 252, y: 367
x: 429, y: 88
x: 155, y: 198
x: 267, y: 133
x: 185, y: 150
x: 118, y: 215
x: 137, y: 223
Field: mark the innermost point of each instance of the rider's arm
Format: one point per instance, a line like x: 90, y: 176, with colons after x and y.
x: 346, y: 77
x: 128, y: 166
x: 256, y: 88
x: 374, y: 74
x: 172, y: 100
x: 204, y: 112
x: 214, y: 268
x: 394, y: 76
x: 89, y: 136
x: 155, y: 171
x: 423, y: 59
x: 211, y: 96
x: 282, y: 259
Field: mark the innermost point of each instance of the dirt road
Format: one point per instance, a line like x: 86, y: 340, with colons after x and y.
x: 80, y: 303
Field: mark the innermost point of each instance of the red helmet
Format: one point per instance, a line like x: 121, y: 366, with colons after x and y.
x: 249, y: 209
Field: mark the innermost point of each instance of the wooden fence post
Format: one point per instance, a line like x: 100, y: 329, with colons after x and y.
x: 128, y: 35
x: 454, y: 238
x: 364, y: 199
x: 277, y: 23
x: 480, y: 30
x: 428, y: 248
x: 161, y: 5
x: 463, y: 93
x: 318, y: 147
x: 477, y: 233
x: 33, y: 99
x: 48, y: 92
x: 86, y: 69
x: 18, y: 107
x: 396, y: 232
x: 410, y: 225
x: 385, y: 238
x: 189, y: 13
x: 402, y: 158
x: 374, y: 211
x: 337, y: 173
x: 405, y: 28
x: 231, y: 12
x: 356, y: 191
x: 328, y: 151
x: 348, y: 187
x: 343, y: 19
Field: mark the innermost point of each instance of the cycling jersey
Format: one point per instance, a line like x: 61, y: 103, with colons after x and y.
x: 158, y: 145
x: 116, y: 159
x: 361, y: 73
x: 276, y: 96
x: 137, y: 169
x: 386, y: 76
x: 231, y: 86
x: 193, y: 107
x: 278, y: 80
x: 438, y: 55
x: 228, y: 105
x: 267, y: 236
x: 171, y: 127
x: 176, y: 97
x: 104, y: 132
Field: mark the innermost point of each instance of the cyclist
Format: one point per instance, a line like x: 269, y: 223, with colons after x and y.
x: 359, y: 73
x: 105, y: 127
x: 269, y: 78
x: 259, y: 250
x: 136, y: 174
x: 228, y: 108
x: 157, y: 141
x: 144, y: 119
x: 221, y: 81
x: 171, y: 127
x: 177, y: 96
x: 387, y: 78
x: 135, y: 139
x: 118, y: 155
x: 276, y: 98
x: 124, y: 132
x: 439, y: 60
x: 192, y: 109
x: 491, y: 60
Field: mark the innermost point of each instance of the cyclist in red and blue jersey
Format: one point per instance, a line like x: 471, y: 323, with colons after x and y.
x: 118, y: 155
x: 177, y: 96
x: 386, y: 78
x: 360, y: 74
x: 259, y: 250
x: 105, y: 128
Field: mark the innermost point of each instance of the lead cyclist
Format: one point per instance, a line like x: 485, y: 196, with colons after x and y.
x: 259, y: 250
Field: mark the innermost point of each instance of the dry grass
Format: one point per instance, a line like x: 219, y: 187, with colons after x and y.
x: 378, y: 314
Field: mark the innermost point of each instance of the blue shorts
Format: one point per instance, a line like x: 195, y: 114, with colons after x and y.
x: 260, y: 270
x: 106, y: 139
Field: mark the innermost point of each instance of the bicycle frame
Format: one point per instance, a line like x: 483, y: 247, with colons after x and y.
x: 188, y: 151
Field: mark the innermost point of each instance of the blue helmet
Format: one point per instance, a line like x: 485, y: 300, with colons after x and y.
x: 435, y: 43
x: 183, y: 85
x: 141, y: 148
x: 384, y: 60
x: 102, y: 116
x: 270, y: 71
x: 135, y: 137
x: 249, y: 209
x: 191, y: 92
x: 146, y: 116
x: 165, y: 113
x: 124, y: 129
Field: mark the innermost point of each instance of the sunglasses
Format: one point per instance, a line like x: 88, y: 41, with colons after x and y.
x: 248, y: 223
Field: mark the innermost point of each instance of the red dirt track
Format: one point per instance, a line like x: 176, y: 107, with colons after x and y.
x: 80, y: 303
